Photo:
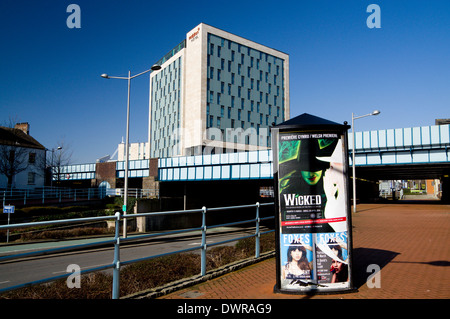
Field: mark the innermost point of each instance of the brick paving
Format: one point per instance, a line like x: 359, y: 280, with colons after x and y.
x: 410, y: 242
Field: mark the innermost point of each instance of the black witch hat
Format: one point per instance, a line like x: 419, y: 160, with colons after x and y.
x: 310, y: 149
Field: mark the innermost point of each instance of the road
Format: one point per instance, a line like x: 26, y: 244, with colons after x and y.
x: 20, y: 271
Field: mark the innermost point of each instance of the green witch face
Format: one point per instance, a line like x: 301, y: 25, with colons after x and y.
x: 312, y: 177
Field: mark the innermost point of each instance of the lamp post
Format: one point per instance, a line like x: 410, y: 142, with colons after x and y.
x: 376, y: 112
x: 155, y: 67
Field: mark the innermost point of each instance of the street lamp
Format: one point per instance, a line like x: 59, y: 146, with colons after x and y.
x: 155, y: 67
x: 376, y: 112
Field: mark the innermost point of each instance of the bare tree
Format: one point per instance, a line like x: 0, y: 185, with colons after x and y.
x: 13, y: 157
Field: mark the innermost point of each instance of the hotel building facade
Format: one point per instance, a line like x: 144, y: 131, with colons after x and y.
x: 216, y: 92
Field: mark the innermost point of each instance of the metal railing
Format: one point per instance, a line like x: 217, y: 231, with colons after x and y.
x: 42, y: 195
x: 117, y: 263
x: 134, y: 192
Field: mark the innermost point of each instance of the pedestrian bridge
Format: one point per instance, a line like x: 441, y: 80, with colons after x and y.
x: 403, y: 153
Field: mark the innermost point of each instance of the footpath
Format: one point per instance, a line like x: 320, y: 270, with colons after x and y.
x: 409, y: 242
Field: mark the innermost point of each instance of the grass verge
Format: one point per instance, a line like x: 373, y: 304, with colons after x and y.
x: 144, y: 275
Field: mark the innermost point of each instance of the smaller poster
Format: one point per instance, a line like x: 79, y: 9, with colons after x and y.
x: 296, y: 260
x: 332, y: 260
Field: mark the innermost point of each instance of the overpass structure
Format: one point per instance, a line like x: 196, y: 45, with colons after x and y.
x: 389, y: 154
x: 403, y: 153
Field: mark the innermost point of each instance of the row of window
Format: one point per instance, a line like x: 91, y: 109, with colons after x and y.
x: 219, y: 43
x: 166, y: 106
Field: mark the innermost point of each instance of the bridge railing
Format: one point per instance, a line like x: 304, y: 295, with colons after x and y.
x: 117, y: 240
x: 43, y: 195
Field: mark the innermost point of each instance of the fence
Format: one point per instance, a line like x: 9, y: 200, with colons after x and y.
x: 44, y: 195
x: 134, y: 192
x: 116, y: 264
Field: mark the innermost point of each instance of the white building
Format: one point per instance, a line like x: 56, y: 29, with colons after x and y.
x: 22, y: 154
x: 216, y: 92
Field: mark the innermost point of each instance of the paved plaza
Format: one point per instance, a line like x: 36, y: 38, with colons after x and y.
x: 409, y: 242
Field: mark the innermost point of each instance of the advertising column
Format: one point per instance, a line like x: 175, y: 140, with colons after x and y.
x: 313, y: 224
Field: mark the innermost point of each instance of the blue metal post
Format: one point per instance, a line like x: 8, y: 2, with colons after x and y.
x: 257, y: 231
x: 203, y: 260
x: 116, y: 262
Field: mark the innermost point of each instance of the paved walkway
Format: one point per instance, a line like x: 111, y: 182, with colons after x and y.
x: 410, y: 242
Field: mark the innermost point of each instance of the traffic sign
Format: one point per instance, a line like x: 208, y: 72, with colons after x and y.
x: 8, y: 209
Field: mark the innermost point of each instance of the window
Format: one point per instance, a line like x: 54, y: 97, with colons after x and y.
x: 222, y: 109
x: 31, y: 178
x: 32, y: 158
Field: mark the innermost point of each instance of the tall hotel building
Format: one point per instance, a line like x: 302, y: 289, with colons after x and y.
x: 216, y: 92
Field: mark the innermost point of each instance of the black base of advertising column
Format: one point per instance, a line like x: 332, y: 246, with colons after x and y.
x: 312, y: 206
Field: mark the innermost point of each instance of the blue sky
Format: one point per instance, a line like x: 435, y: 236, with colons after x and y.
x: 50, y: 74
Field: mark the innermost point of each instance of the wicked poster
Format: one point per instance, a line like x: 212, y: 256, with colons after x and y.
x: 313, y: 208
x: 312, y: 194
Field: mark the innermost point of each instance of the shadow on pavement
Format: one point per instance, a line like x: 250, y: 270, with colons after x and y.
x: 364, y: 257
